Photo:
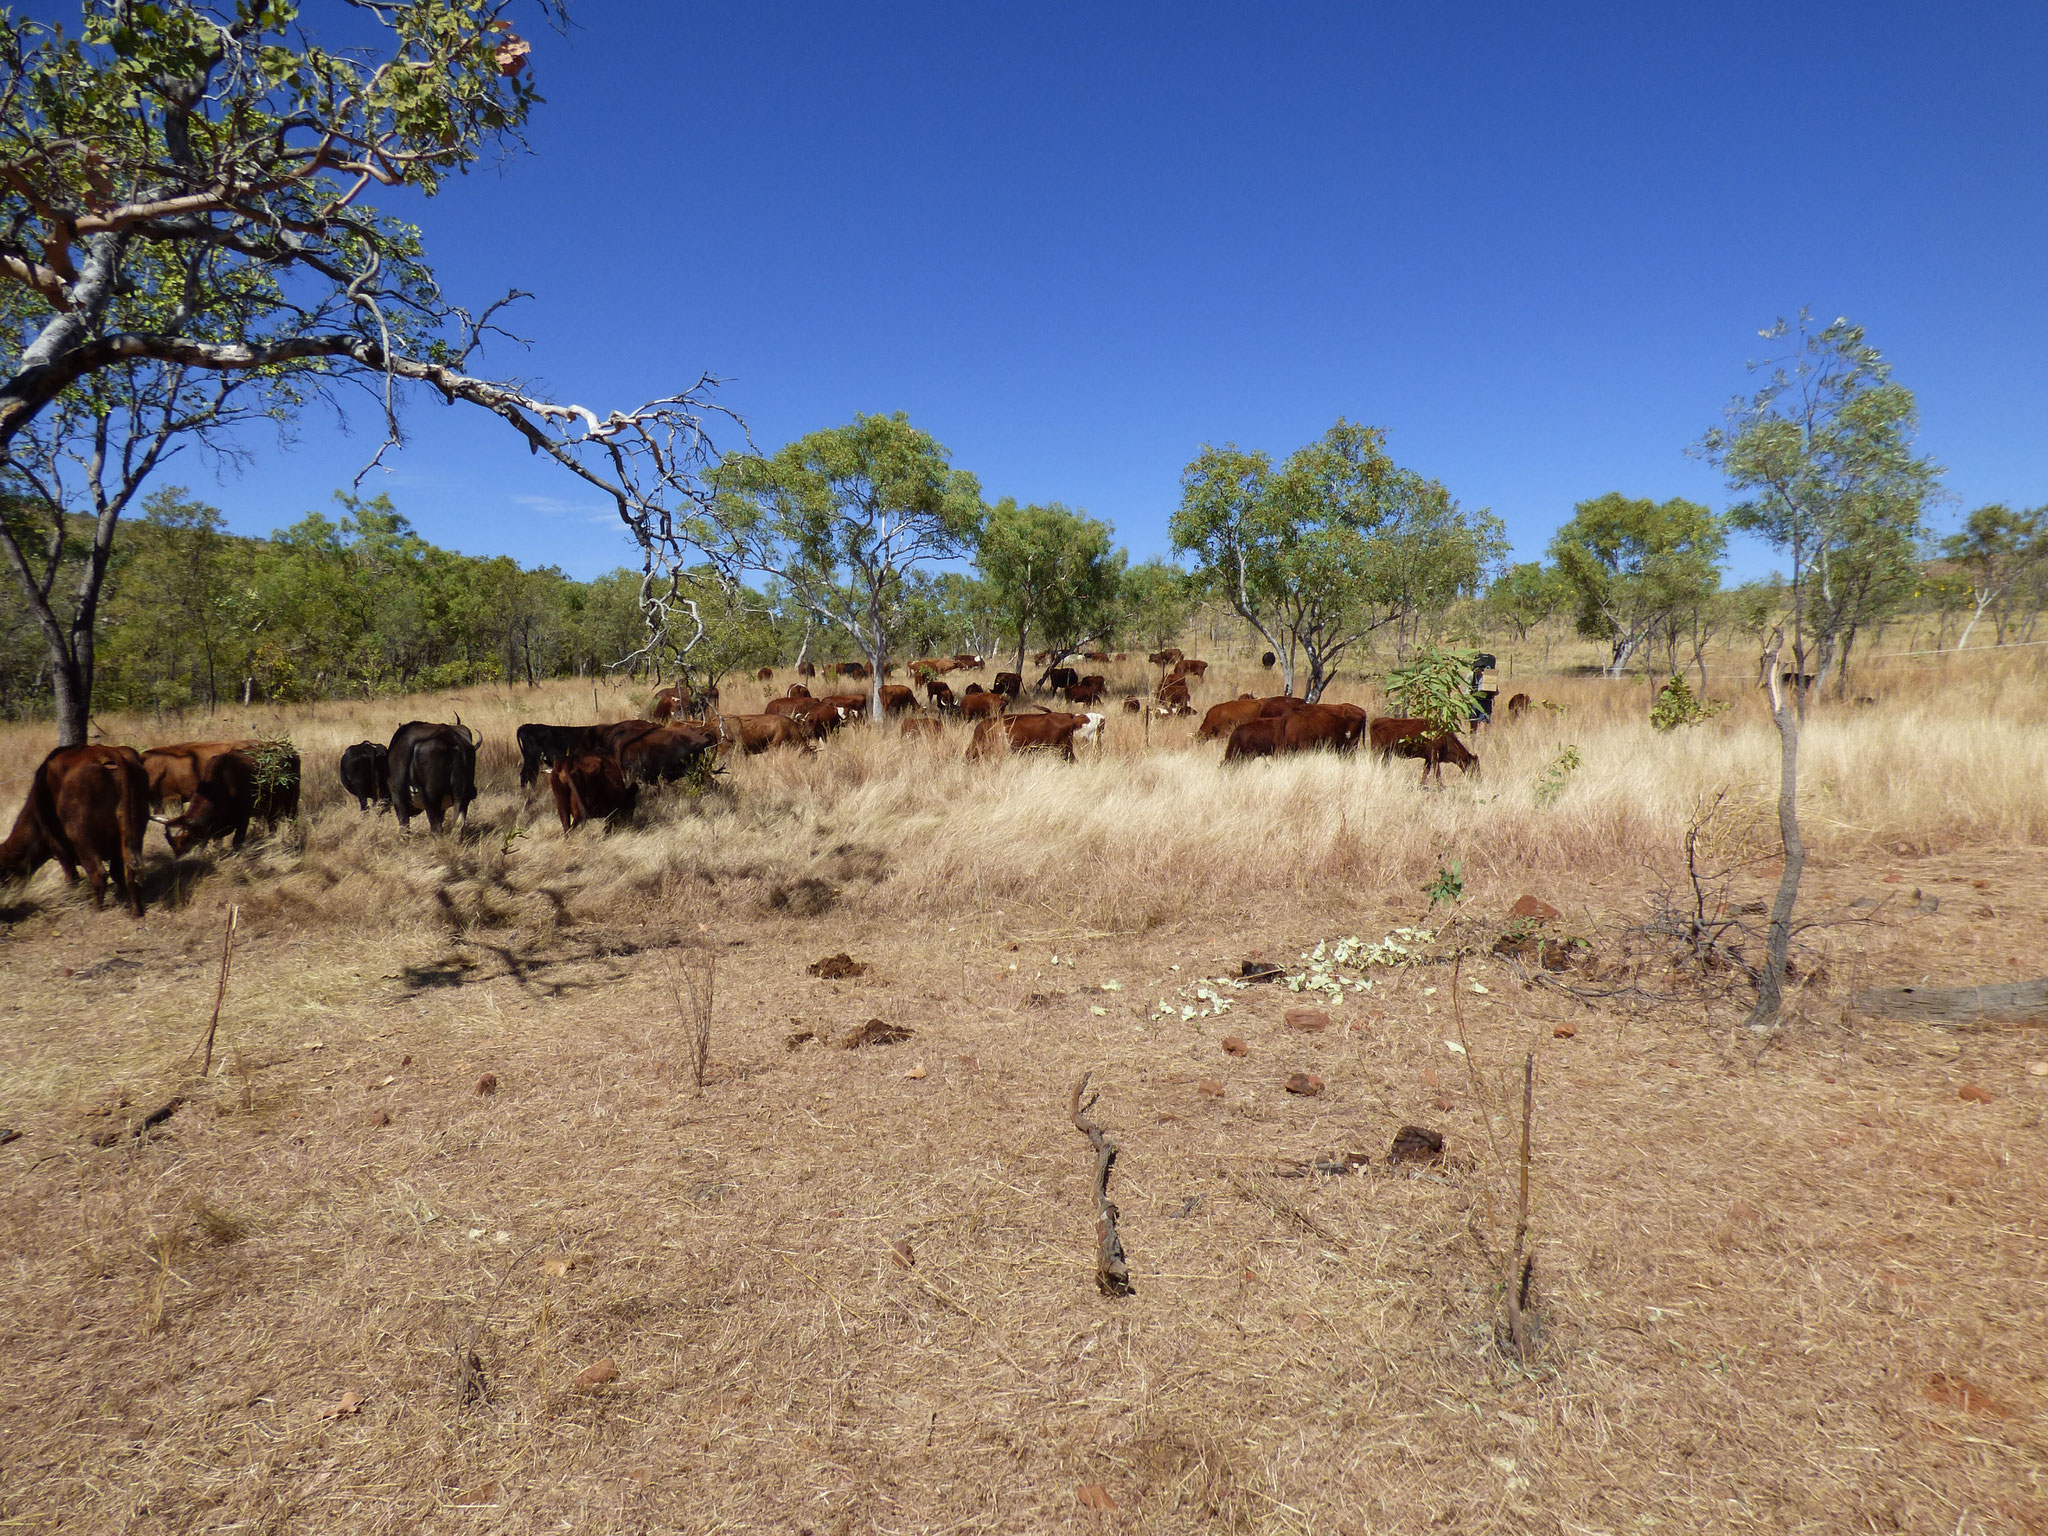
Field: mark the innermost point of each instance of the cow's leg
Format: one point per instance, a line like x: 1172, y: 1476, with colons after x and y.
x: 95, y: 878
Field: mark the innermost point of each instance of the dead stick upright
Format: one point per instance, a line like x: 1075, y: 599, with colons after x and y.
x: 1112, y: 1275
x: 220, y: 992
x: 1522, y: 1270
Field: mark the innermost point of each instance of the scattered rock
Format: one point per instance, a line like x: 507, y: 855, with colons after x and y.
x: 1095, y: 1496
x: 875, y: 1032
x: 487, y: 1084
x: 376, y: 1117
x: 1564, y: 1031
x: 1311, y: 1021
x: 1893, y: 878
x: 1972, y: 1094
x: 597, y: 1375
x: 2038, y: 1069
x: 1532, y: 909
x: 1981, y: 885
x: 8, y: 1133
x: 800, y: 1037
x: 916, y: 1073
x: 1232, y: 1046
x: 1259, y: 970
x: 1209, y: 1088
x: 900, y: 1252
x: 1416, y: 1144
x: 837, y: 967
x: 1307, y: 1084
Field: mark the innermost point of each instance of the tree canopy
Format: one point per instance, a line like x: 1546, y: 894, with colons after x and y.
x: 1051, y: 573
x: 1632, y: 564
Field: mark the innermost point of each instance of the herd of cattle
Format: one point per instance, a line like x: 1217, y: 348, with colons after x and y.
x: 88, y: 807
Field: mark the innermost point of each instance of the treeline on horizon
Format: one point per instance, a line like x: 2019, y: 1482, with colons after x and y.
x: 360, y: 605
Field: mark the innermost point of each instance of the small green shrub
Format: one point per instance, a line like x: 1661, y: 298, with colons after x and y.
x: 1448, y: 886
x: 1677, y: 706
x: 1562, y: 767
x: 1435, y: 686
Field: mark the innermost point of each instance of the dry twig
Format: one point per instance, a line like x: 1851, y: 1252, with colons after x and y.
x: 1112, y: 1275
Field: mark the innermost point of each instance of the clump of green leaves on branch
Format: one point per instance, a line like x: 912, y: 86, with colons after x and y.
x: 1435, y: 685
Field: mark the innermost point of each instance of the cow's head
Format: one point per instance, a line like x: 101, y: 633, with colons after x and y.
x: 177, y: 832
x: 1091, y: 726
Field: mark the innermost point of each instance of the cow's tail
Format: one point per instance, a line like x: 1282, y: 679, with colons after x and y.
x: 476, y: 737
x: 131, y: 815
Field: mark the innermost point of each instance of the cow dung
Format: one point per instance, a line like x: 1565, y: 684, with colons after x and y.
x: 1416, y: 1144
x: 875, y: 1032
x: 1307, y: 1084
x: 837, y: 967
x: 1309, y: 1020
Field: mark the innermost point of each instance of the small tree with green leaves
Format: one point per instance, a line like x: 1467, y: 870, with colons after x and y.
x: 1435, y: 685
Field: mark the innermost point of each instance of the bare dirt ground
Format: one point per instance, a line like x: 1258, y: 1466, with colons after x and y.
x: 1793, y: 1282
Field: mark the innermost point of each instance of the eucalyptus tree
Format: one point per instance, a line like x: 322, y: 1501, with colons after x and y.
x: 1050, y: 572
x: 189, y: 237
x: 1335, y: 542
x: 840, y: 518
x: 1155, y: 601
x: 1636, y: 566
x: 2001, y: 551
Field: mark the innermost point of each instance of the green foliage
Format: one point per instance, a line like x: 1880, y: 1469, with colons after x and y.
x: 1525, y: 596
x: 1337, y: 541
x: 2004, y: 554
x: 1557, y: 775
x: 274, y: 760
x: 1435, y: 685
x: 1633, y: 564
x: 1448, y: 886
x: 1050, y: 573
x: 1676, y: 706
x: 1823, y: 453
x: 1154, y: 603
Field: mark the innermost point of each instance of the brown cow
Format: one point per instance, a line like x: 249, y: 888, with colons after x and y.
x: 1518, y: 706
x: 1189, y: 668
x: 751, y: 735
x: 1102, y: 656
x: 1024, y: 733
x: 238, y: 787
x: 1226, y: 717
x: 853, y: 669
x: 1173, y: 698
x: 823, y: 716
x: 86, y: 806
x: 590, y: 786
x: 1393, y: 736
x: 174, y: 771
x: 1165, y: 658
x: 853, y: 703
x: 1310, y: 728
x: 765, y: 675
x: 922, y: 725
x: 614, y: 737
x: 799, y: 691
x: 805, y: 669
x: 1087, y: 691
x: 940, y: 694
x: 897, y: 699
x: 966, y: 662
x: 982, y: 706
x: 662, y: 757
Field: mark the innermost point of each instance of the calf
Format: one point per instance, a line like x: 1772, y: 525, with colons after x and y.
x: 1024, y: 733
x: 1174, y: 698
x: 1393, y: 736
x: 86, y: 806
x: 765, y: 675
x: 1088, y: 691
x: 366, y: 773
x: 591, y: 785
x: 541, y: 746
x: 1518, y: 706
x: 1165, y: 658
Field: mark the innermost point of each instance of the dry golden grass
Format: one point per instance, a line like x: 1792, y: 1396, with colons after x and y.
x: 1791, y: 1284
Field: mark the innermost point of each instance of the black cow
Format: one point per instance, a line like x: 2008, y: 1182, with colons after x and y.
x: 542, y: 746
x: 1059, y: 679
x: 435, y: 766
x: 366, y: 773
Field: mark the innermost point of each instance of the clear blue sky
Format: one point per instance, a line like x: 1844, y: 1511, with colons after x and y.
x: 1077, y: 242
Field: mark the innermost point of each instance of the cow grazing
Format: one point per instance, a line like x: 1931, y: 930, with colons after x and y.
x: 982, y: 706
x: 1518, y: 706
x: 750, y: 735
x: 433, y: 769
x: 237, y: 788
x: 1025, y: 733
x: 897, y: 699
x: 765, y: 675
x: 1102, y: 656
x: 1009, y: 684
x: 1088, y: 691
x: 823, y: 716
x: 590, y: 786
x: 1165, y: 658
x: 86, y: 806
x: 664, y: 756
x: 1174, y: 698
x: 542, y: 746
x: 1393, y: 736
x: 366, y: 773
x: 852, y: 703
x: 967, y: 662
x: 941, y: 695
x: 174, y: 770
x: 922, y: 725
x: 1060, y: 679
x: 805, y: 669
x: 614, y: 737
x: 1189, y: 667
x: 853, y: 669
x: 1226, y: 717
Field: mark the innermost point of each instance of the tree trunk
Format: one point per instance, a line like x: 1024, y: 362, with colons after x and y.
x: 1785, y: 715
x: 73, y: 696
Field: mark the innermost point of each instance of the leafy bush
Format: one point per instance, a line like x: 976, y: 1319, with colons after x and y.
x: 1561, y: 768
x: 1677, y: 706
x: 1435, y: 686
x: 1448, y: 886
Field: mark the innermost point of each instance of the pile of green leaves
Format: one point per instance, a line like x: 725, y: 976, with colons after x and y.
x: 1676, y: 705
x: 1436, y: 685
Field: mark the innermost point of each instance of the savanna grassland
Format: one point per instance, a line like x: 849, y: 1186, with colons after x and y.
x: 1791, y: 1281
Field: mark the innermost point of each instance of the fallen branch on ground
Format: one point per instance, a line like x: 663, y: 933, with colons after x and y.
x: 1956, y: 1005
x: 1112, y: 1274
